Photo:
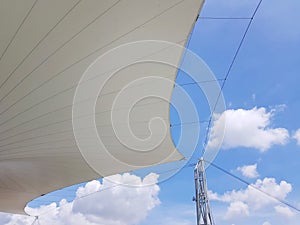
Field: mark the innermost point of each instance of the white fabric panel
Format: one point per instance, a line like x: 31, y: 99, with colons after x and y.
x: 45, y: 47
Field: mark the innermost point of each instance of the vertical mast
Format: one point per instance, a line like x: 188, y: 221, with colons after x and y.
x: 204, y: 216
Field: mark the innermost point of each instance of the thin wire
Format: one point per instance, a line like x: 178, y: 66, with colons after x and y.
x: 57, y: 110
x: 17, y: 189
x: 209, y: 123
x: 81, y: 197
x: 36, y: 219
x: 200, y: 82
x: 38, y: 117
x: 105, y: 189
x: 59, y: 122
x: 228, y: 72
x: 40, y: 41
x: 188, y: 123
x: 181, y: 84
x: 71, y: 88
x: 57, y: 50
x: 44, y: 100
x: 224, y: 18
x: 255, y: 187
x: 69, y: 131
x: 96, y: 50
x: 21, y: 24
x: 49, y: 97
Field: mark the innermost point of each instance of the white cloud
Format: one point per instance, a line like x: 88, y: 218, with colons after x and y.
x: 297, y: 136
x: 249, y: 171
x: 247, y: 128
x: 284, y: 211
x: 236, y: 210
x: 110, y: 205
x: 251, y: 197
x: 266, y: 223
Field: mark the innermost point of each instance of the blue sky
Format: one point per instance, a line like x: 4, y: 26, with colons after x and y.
x: 263, y: 85
x: 265, y: 74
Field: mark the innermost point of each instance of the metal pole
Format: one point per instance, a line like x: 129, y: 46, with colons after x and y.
x: 204, y: 216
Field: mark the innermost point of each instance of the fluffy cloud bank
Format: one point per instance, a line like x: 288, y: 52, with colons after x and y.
x: 244, y: 201
x: 97, y: 203
x: 237, y: 209
x: 249, y: 171
x: 247, y: 128
x: 284, y: 211
x: 266, y: 223
x: 297, y: 136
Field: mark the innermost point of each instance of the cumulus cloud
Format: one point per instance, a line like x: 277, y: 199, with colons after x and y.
x: 97, y: 203
x: 247, y: 128
x: 266, y: 223
x: 284, y: 211
x: 297, y: 136
x: 249, y: 171
x: 250, y: 198
x: 236, y: 210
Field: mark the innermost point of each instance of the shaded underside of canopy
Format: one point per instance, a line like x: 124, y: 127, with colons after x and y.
x: 45, y: 47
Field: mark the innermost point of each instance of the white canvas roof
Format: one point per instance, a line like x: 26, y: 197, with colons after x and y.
x: 45, y: 48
